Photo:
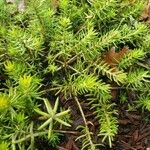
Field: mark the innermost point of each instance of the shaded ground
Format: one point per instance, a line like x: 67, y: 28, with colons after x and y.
x: 134, y: 133
x: 134, y: 130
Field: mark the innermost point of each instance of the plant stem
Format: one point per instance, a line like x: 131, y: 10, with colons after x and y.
x: 86, y: 126
x: 42, y: 133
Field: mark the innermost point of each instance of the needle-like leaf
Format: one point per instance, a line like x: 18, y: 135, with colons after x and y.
x: 63, y: 122
x: 48, y: 106
x: 45, y: 124
x: 42, y: 113
x: 56, y: 105
x: 62, y: 113
x: 50, y: 130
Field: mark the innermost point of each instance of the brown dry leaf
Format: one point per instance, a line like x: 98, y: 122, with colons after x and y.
x: 146, y: 13
x: 112, y: 58
x: 55, y: 4
x: 69, y: 144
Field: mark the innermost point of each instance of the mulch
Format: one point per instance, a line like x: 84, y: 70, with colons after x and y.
x: 133, y: 133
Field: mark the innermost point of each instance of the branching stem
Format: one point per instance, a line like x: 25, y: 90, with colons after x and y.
x: 86, y: 126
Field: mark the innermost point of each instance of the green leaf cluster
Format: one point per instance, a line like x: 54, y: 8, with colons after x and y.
x: 55, y: 49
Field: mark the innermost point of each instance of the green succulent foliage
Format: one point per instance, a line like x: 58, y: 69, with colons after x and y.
x: 108, y: 121
x: 104, y: 69
x: 144, y: 103
x: 29, y: 86
x: 52, y: 116
x: 4, y: 145
x: 8, y: 103
x: 131, y: 58
x: 52, y: 49
x: 88, y: 83
x: 138, y: 77
x: 14, y: 69
x: 86, y: 139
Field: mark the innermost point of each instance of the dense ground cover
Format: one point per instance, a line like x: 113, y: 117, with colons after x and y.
x: 74, y: 74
